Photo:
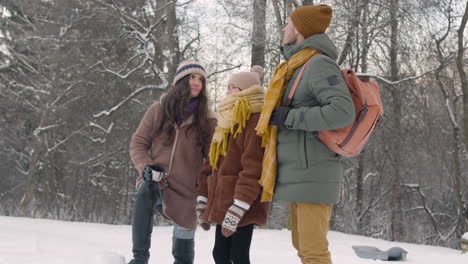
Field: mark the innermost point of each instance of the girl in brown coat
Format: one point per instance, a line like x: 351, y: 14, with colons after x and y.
x: 168, y: 149
x: 228, y: 188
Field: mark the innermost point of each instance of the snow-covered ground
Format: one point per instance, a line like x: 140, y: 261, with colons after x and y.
x: 38, y: 241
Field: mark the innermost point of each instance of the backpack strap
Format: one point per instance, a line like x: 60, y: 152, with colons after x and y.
x: 296, y: 83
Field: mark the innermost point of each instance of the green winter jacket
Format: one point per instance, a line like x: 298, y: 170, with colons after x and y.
x: 308, y: 171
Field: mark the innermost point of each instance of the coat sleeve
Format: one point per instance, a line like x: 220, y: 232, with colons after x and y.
x: 336, y: 110
x: 247, y: 186
x: 202, y: 178
x: 140, y: 144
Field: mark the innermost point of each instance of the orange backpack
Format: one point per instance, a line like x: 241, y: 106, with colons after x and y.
x: 349, y: 141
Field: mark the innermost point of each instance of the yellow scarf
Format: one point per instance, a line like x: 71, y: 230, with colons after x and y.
x: 274, y: 94
x: 235, y: 109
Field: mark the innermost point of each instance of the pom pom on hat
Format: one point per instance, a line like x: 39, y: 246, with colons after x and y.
x: 258, y: 69
x: 244, y: 80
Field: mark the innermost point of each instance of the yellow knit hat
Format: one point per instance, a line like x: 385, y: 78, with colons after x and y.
x: 311, y: 19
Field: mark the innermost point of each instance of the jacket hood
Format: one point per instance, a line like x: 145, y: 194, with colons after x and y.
x: 319, y: 42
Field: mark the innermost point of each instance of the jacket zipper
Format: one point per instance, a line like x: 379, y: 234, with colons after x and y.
x: 173, y: 151
x: 303, y: 149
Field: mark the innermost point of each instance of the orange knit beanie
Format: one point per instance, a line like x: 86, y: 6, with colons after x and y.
x: 311, y: 19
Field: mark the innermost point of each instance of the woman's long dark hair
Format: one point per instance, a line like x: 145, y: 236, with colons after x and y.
x: 174, y: 106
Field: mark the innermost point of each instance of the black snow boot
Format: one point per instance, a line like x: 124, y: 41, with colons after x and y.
x: 183, y: 250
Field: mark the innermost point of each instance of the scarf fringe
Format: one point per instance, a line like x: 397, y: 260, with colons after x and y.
x: 218, y: 148
x: 241, y: 113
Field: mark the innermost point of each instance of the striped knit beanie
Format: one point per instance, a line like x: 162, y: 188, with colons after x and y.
x: 188, y: 67
x: 311, y: 19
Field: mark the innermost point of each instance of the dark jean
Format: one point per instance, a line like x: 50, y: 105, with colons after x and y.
x: 234, y: 249
x: 147, y: 197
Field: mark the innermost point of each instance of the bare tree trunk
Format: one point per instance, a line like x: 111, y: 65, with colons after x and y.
x: 457, y: 141
x: 353, y: 24
x: 38, y: 150
x: 360, y: 191
x: 397, y: 213
x: 31, y: 182
x: 288, y: 5
x: 365, y: 36
x: 361, y: 158
x: 462, y: 73
x: 279, y: 20
x: 258, y: 33
x: 462, y: 221
x: 456, y: 157
x: 167, y: 32
x: 172, y: 39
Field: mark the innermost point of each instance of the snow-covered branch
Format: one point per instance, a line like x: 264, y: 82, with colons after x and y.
x: 411, y: 185
x: 107, y: 131
x: 22, y: 59
x: 118, y: 74
x: 99, y: 140
x: 453, y: 119
x: 224, y: 70
x: 66, y: 91
x: 189, y: 44
x: 20, y: 168
x: 64, y: 140
x: 368, y: 175
x: 27, y: 88
x: 412, y: 78
x: 68, y: 102
x: 39, y: 130
x: 128, y: 98
x: 82, y: 163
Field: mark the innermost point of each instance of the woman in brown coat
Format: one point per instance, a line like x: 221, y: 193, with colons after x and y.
x: 168, y: 149
x: 228, y: 188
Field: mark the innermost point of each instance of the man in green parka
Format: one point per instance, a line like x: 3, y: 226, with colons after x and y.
x: 309, y: 174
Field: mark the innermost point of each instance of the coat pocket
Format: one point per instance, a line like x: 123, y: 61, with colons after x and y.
x: 302, y: 161
x: 318, y: 151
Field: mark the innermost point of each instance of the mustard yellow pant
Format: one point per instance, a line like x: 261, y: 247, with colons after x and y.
x: 309, y: 228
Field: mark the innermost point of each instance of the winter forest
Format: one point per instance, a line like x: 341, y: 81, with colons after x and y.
x: 76, y: 77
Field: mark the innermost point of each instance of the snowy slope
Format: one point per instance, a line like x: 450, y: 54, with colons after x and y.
x: 38, y: 241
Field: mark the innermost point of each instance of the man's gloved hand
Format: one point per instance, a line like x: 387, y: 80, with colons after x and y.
x: 200, y: 210
x: 278, y: 116
x: 232, y: 219
x: 152, y: 173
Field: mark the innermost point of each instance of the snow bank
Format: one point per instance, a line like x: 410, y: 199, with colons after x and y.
x: 39, y: 241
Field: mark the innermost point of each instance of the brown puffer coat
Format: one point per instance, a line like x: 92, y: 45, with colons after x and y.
x: 187, y: 158
x: 236, y: 178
